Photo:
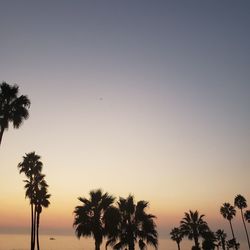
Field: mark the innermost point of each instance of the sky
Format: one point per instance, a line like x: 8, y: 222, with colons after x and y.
x: 149, y: 98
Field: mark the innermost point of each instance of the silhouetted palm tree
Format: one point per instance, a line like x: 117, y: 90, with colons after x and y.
x: 232, y: 244
x: 209, y: 242
x: 31, y: 166
x: 12, y: 108
x: 32, y: 192
x: 228, y: 212
x: 221, y: 238
x: 89, y: 217
x: 41, y: 200
x: 247, y: 216
x: 177, y: 236
x: 36, y: 191
x: 193, y: 226
x: 133, y: 223
x: 240, y: 202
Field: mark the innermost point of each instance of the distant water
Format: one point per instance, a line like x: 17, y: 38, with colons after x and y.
x: 61, y: 242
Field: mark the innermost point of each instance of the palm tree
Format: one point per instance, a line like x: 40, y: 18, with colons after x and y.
x: 228, y: 212
x: 89, y: 217
x: 36, y: 191
x: 232, y: 244
x: 193, y: 226
x: 177, y: 236
x: 42, y: 200
x: 12, y: 108
x: 240, y: 202
x: 209, y: 242
x: 247, y: 216
x: 221, y: 238
x: 31, y: 166
x: 133, y: 223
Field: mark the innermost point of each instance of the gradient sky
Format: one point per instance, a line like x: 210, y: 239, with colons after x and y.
x: 144, y: 97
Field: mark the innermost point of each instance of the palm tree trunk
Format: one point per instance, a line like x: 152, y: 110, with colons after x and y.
x: 1, y: 135
x: 131, y: 246
x: 178, y: 244
x: 233, y: 234
x: 245, y: 228
x: 97, y: 245
x: 196, y: 242
x: 37, y: 230
x: 32, y: 228
x: 131, y: 243
x: 223, y: 245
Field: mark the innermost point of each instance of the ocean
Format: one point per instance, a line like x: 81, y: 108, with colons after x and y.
x: 62, y: 242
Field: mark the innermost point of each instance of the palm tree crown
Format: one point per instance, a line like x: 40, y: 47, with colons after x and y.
x: 240, y: 202
x: 221, y: 238
x: 209, y: 240
x: 133, y: 223
x: 12, y: 108
x: 228, y: 211
x: 193, y: 226
x: 42, y: 198
x: 89, y: 217
x: 247, y: 216
x: 33, y: 187
x: 176, y: 235
x: 31, y: 165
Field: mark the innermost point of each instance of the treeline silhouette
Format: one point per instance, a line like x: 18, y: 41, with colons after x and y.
x: 193, y: 226
x: 123, y: 224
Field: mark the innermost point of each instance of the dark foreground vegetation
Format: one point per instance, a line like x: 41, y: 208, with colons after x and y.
x: 123, y: 224
x: 13, y: 108
x: 36, y: 191
x: 194, y: 227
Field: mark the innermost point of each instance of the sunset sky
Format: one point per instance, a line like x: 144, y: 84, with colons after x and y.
x: 146, y: 97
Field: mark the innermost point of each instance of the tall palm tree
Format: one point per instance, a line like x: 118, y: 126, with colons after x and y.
x: 193, y: 226
x: 228, y: 212
x: 42, y: 200
x: 177, y: 236
x: 89, y: 217
x: 221, y: 238
x: 133, y: 223
x: 240, y: 202
x: 13, y: 108
x: 36, y: 191
x: 31, y: 166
